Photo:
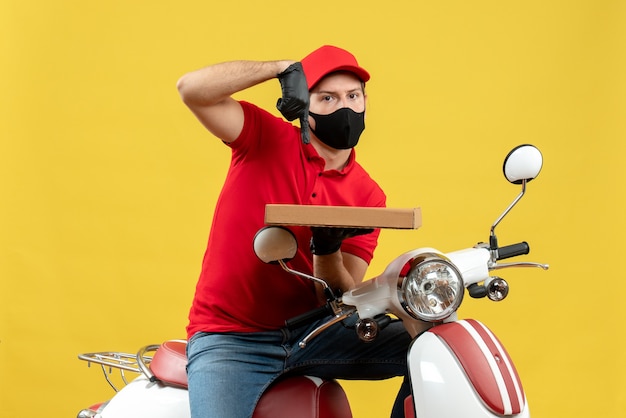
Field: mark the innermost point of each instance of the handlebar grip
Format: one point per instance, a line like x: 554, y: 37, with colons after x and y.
x: 513, y: 250
x: 308, y: 317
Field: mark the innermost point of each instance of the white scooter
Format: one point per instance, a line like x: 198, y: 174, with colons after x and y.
x: 449, y: 359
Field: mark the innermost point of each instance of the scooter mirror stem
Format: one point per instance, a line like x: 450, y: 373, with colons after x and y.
x: 285, y: 267
x: 493, y: 241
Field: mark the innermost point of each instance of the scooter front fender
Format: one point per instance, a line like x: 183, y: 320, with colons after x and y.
x: 142, y: 398
x: 460, y: 369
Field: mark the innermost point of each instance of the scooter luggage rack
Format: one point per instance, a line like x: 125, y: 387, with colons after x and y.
x: 109, y: 360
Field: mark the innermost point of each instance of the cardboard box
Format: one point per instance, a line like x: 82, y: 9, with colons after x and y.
x: 343, y: 216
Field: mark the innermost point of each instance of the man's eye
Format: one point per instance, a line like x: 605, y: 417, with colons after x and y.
x: 327, y: 98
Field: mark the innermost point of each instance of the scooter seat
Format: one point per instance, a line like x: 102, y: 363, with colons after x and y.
x: 169, y: 363
x: 304, y: 397
x: 297, y: 396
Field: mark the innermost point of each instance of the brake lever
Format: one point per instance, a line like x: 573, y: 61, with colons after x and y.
x: 317, y: 331
x: 500, y: 266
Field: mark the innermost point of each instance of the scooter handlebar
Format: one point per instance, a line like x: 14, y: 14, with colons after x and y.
x: 513, y: 250
x: 308, y: 317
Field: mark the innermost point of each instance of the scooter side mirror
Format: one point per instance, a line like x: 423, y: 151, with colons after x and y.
x: 523, y: 163
x: 275, y: 243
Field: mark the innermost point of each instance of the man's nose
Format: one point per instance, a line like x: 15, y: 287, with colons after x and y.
x: 344, y: 103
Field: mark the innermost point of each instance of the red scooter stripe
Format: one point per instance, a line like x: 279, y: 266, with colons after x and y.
x: 505, y: 365
x: 486, y: 364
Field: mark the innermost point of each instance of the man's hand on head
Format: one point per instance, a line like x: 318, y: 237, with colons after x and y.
x: 295, y: 92
x: 294, y: 103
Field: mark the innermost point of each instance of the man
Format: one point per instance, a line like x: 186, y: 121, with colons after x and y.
x: 238, y: 344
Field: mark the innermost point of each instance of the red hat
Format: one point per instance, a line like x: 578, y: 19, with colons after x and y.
x: 328, y: 59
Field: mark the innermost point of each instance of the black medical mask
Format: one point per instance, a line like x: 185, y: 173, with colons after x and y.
x: 341, y: 129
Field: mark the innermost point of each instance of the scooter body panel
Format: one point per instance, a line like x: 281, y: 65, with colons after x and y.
x: 457, y: 372
x: 142, y: 398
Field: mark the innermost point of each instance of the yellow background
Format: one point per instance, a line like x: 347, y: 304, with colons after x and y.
x: 107, y: 182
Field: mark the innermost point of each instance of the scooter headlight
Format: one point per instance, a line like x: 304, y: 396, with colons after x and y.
x: 432, y: 288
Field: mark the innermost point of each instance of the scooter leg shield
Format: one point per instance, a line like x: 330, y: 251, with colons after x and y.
x: 458, y: 371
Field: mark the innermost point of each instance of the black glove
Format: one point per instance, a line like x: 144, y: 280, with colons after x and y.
x: 327, y: 240
x: 304, y: 127
x: 294, y: 103
x: 295, y: 100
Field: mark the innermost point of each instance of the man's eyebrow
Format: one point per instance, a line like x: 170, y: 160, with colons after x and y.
x: 335, y: 91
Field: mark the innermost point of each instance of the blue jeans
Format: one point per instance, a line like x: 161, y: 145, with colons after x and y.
x: 229, y: 372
